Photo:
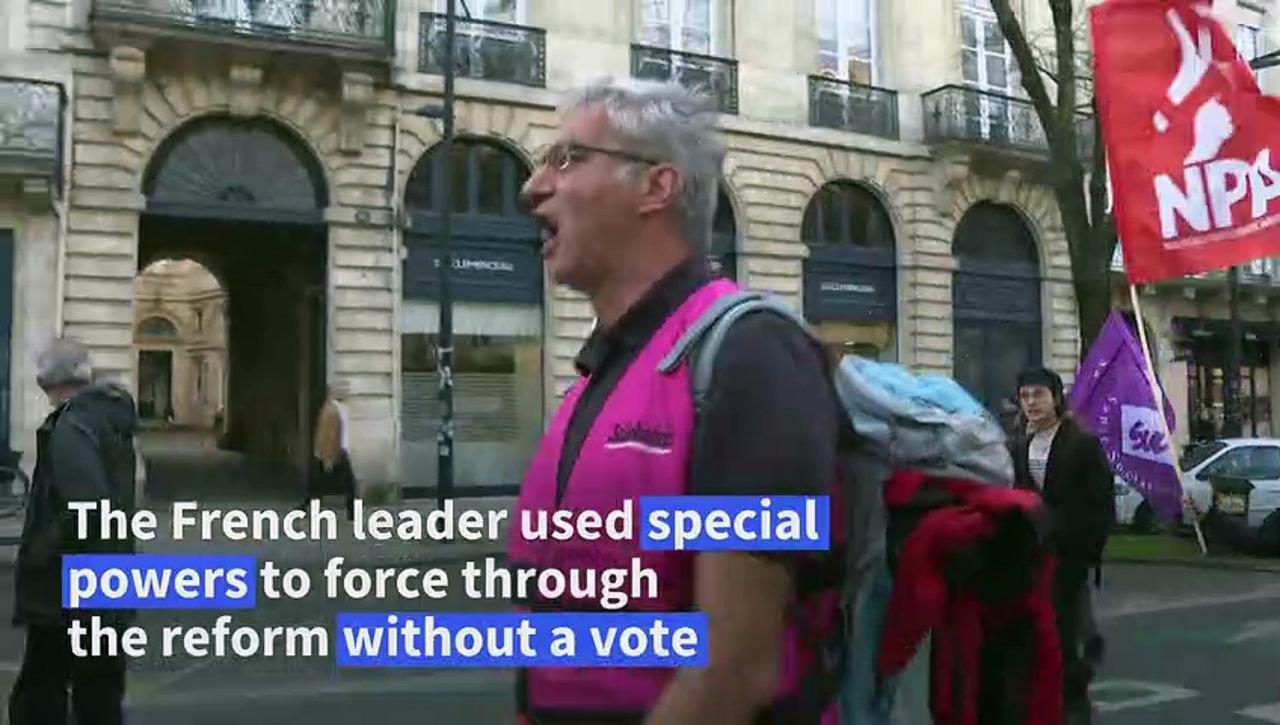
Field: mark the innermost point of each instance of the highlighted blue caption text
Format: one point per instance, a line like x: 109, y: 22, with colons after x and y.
x: 580, y: 639
x: 735, y: 523
x: 157, y: 581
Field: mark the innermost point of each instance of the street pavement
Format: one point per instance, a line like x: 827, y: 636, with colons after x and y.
x: 279, y: 690
x: 1185, y: 645
x: 1189, y: 645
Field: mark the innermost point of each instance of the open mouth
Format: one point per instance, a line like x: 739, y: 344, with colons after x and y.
x: 548, y: 230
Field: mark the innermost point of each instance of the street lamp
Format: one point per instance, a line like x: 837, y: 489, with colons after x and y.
x: 444, y: 269
x: 1232, y: 420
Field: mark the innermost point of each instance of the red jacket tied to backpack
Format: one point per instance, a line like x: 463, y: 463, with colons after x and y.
x: 972, y: 573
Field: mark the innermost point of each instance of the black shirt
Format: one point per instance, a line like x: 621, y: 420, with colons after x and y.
x: 770, y: 423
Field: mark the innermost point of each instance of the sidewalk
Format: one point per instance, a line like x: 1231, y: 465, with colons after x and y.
x: 309, y: 552
x: 1166, y: 550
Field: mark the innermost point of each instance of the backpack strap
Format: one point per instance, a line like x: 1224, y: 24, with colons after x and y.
x: 704, y: 337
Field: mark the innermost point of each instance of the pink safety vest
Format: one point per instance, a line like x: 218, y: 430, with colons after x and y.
x: 639, y: 445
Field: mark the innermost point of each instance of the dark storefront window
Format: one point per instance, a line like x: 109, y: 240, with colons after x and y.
x: 724, y: 238
x: 497, y: 319
x: 996, y: 298
x: 850, y: 276
x: 1204, y: 345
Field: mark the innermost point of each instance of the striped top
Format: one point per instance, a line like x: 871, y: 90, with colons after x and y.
x: 1038, y: 453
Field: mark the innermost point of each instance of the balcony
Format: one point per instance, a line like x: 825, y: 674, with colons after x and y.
x: 956, y: 114
x: 848, y: 106
x: 970, y: 115
x: 717, y: 77
x: 1261, y: 272
x: 486, y: 50
x: 30, y: 128
x: 362, y: 29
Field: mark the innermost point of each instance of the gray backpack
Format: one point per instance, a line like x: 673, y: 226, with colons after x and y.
x: 893, y: 419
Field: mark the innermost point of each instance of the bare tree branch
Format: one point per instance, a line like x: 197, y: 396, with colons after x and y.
x: 1011, y: 28
x: 1056, y: 58
x: 1065, y: 35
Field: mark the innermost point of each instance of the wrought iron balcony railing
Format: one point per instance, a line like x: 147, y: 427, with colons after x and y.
x: 30, y: 126
x: 717, y: 77
x: 365, y: 27
x: 1261, y: 272
x: 956, y: 113
x: 848, y: 106
x: 486, y: 50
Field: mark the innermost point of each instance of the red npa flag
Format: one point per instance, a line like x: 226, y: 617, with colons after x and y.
x: 1189, y: 139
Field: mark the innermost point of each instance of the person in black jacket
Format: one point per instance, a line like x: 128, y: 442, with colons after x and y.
x: 1068, y: 467
x: 84, y: 452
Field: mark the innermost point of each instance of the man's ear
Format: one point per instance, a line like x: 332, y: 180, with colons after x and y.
x: 659, y: 188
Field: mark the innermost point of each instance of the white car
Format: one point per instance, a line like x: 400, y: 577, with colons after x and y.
x: 1131, y: 508
x: 1256, y: 460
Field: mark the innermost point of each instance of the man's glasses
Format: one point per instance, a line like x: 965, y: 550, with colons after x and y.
x: 561, y: 156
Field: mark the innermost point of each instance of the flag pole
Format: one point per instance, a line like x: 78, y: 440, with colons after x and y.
x: 1159, y: 399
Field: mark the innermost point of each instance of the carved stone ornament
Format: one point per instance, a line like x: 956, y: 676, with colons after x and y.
x: 246, y: 89
x: 128, y: 70
x: 357, y: 98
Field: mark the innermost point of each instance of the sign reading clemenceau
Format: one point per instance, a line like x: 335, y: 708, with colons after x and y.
x: 482, y: 272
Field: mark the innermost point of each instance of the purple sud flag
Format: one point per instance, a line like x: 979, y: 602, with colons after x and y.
x: 1112, y: 399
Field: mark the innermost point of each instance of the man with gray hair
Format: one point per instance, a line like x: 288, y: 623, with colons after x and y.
x: 84, y: 452
x: 625, y: 197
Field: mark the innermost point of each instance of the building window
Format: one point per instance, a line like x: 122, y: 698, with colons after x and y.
x: 201, y: 371
x: 502, y: 11
x: 1249, y: 41
x: 850, y: 287
x: 485, y: 180
x: 157, y: 327
x: 683, y: 25
x: 846, y: 214
x: 847, y: 40
x: 996, y: 298
x: 724, y: 238
x: 498, y: 381
x: 986, y: 61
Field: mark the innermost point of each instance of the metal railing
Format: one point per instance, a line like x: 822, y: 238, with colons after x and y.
x: 31, y: 125
x: 849, y: 106
x: 956, y: 113
x: 361, y: 25
x: 959, y: 113
x: 1261, y: 272
x: 717, y: 77
x: 485, y: 50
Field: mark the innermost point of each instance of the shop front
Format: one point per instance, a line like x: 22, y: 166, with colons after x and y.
x: 850, y: 275
x: 1204, y: 345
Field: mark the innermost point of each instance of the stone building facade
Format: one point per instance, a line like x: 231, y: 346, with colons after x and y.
x: 879, y: 175
x: 180, y: 341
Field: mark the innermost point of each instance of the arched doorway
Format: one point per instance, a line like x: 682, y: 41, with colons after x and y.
x: 996, y: 301
x: 245, y: 198
x: 724, y: 237
x: 497, y: 288
x: 157, y: 339
x: 850, y: 283
x: 180, y: 344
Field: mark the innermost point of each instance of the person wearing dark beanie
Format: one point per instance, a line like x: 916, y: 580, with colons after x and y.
x: 1067, y: 466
